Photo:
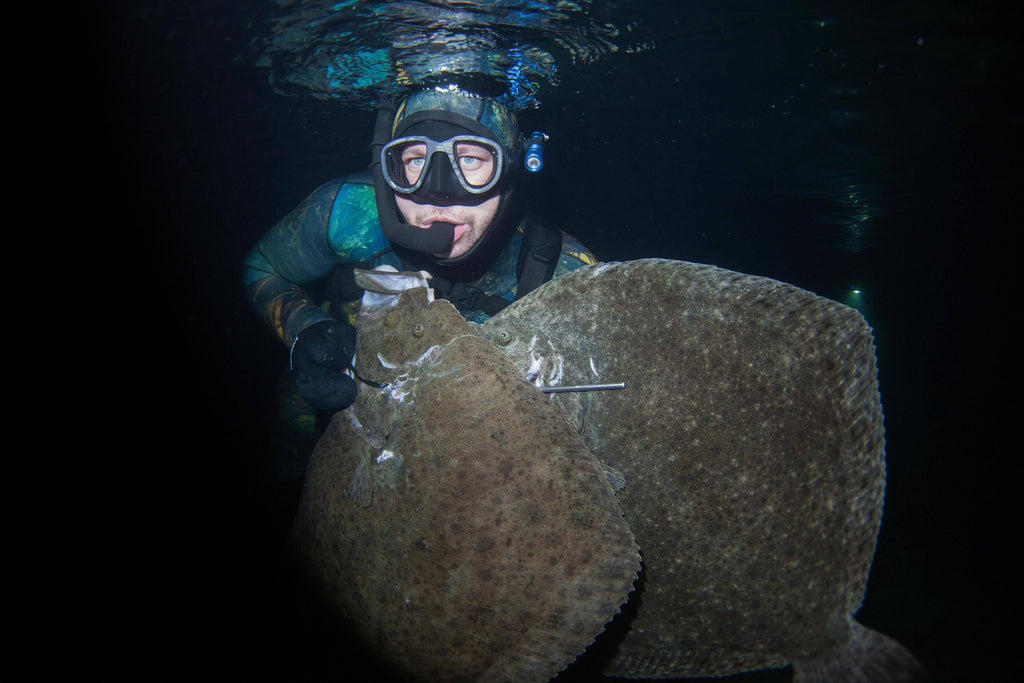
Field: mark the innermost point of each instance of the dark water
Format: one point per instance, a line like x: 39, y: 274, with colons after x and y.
x: 878, y: 150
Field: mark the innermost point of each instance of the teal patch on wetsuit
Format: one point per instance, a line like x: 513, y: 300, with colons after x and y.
x: 295, y: 248
x: 353, y: 230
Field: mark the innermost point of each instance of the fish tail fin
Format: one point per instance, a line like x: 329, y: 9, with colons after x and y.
x: 867, y: 656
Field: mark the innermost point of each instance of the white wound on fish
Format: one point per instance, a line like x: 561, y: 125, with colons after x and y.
x: 426, y: 355
x: 398, y: 389
x: 383, y: 285
x: 398, y: 392
x: 533, y: 372
x: 555, y: 377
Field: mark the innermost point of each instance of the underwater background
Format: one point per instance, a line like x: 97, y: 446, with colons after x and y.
x: 867, y: 151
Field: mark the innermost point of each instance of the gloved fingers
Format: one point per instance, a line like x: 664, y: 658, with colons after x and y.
x: 328, y: 344
x: 317, y: 358
x: 346, y: 335
x: 334, y: 345
x: 326, y: 389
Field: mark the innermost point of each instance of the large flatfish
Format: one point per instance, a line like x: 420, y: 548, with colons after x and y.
x: 751, y: 440
x: 453, y: 518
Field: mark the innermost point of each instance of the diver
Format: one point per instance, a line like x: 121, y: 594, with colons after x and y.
x: 440, y: 196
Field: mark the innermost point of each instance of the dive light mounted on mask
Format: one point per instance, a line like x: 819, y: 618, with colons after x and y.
x: 533, y: 160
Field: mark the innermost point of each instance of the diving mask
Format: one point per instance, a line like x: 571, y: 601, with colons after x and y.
x: 461, y: 164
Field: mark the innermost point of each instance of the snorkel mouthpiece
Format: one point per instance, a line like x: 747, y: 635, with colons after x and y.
x: 436, y: 239
x: 442, y: 228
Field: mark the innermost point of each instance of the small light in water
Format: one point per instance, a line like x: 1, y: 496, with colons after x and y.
x: 856, y: 298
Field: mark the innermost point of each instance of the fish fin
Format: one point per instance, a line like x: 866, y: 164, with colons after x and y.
x: 361, y: 488
x: 866, y: 657
x: 615, y: 478
x: 387, y: 280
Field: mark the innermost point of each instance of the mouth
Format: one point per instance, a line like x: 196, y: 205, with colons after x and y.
x: 438, y: 218
x: 460, y: 228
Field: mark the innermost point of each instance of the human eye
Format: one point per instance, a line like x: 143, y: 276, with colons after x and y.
x: 473, y: 153
x: 469, y: 162
x: 414, y: 153
x: 413, y: 159
x: 476, y: 162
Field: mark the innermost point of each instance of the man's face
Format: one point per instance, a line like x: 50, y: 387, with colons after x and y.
x: 470, y: 221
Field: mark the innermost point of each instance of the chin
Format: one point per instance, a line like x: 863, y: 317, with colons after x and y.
x: 452, y: 253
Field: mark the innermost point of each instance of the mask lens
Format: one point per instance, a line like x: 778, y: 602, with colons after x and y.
x: 404, y: 163
x: 474, y: 162
x: 477, y: 163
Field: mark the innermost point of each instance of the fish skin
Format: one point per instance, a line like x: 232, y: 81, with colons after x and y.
x: 751, y: 440
x: 489, y: 545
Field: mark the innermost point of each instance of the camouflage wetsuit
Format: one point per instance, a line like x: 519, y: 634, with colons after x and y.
x: 289, y: 274
x: 337, y: 224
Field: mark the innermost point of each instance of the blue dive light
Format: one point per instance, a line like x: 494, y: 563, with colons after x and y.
x: 534, y: 159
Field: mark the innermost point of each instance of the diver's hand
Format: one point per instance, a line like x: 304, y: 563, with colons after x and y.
x: 318, y: 358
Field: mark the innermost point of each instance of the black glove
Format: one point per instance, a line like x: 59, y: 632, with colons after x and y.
x: 318, y: 358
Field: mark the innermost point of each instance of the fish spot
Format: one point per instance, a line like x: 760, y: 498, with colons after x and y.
x: 581, y: 520
x: 505, y: 468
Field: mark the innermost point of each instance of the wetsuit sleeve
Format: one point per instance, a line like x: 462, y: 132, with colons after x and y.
x: 574, y: 255
x: 293, y: 254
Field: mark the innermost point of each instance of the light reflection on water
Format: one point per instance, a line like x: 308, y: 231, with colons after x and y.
x: 356, y: 51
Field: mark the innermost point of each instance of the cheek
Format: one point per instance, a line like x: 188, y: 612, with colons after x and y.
x: 404, y: 207
x: 487, y: 212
